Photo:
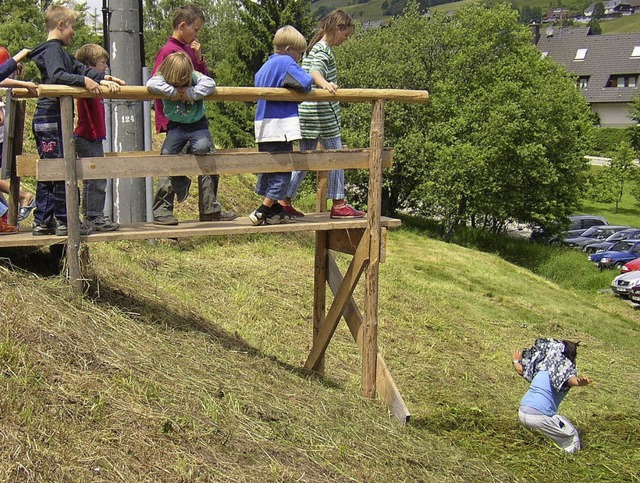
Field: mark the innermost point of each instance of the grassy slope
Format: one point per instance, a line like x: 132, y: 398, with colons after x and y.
x: 187, y: 367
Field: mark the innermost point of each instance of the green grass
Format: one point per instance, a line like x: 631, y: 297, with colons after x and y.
x: 621, y: 25
x: 183, y: 364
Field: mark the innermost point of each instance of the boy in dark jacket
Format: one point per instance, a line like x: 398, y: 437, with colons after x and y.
x: 57, y: 66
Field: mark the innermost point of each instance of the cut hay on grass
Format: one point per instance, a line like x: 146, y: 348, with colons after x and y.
x: 183, y: 362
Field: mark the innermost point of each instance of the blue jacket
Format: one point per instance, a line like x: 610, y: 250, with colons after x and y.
x: 278, y: 121
x: 7, y: 68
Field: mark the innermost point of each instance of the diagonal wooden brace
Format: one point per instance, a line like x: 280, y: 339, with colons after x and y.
x: 385, y: 384
x: 342, y: 297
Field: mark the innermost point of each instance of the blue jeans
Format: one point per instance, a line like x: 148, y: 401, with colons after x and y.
x: 274, y: 185
x: 94, y: 190
x: 50, y: 195
x: 336, y: 177
x: 197, y: 142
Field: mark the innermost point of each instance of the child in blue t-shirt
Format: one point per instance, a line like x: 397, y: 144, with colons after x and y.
x: 277, y: 123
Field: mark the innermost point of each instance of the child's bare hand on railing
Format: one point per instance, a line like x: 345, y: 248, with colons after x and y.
x: 114, y: 79
x: 111, y: 85
x: 92, y: 86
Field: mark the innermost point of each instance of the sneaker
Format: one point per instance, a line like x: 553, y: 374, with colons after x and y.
x: 63, y: 230
x: 219, y: 216
x: 269, y: 216
x: 6, y: 229
x: 166, y: 220
x: 39, y: 229
x: 292, y: 211
x: 183, y: 195
x: 101, y: 223
x: 346, y: 211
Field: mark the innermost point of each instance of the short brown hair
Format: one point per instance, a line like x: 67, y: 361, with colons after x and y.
x: 177, y: 69
x: 187, y: 14
x: 288, y: 36
x: 91, y: 54
x: 56, y: 14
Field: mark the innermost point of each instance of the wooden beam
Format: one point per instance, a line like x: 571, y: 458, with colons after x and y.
x: 319, y: 290
x: 346, y: 241
x: 322, y: 188
x: 340, y: 301
x: 385, y: 385
x: 243, y: 94
x: 222, y: 163
x: 72, y: 196
x: 374, y: 209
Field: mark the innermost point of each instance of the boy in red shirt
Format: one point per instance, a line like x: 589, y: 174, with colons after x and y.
x: 187, y: 22
x: 88, y: 136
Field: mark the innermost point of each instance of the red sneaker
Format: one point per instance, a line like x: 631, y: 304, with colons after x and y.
x: 6, y: 229
x: 292, y: 211
x: 346, y: 211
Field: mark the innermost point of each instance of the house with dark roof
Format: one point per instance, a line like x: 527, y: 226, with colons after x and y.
x: 607, y: 68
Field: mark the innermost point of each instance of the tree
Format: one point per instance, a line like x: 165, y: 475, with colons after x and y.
x: 598, y: 10
x: 504, y: 134
x: 608, y: 185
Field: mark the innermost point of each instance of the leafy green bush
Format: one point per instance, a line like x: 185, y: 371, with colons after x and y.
x: 606, y: 140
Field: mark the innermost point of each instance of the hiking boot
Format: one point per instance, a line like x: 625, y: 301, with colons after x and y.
x: 268, y: 216
x: 219, y: 216
x: 166, y: 220
x: 184, y: 194
x: 346, y: 211
x: 6, y: 229
x: 63, y: 230
x: 292, y: 211
x: 101, y: 223
x: 39, y: 229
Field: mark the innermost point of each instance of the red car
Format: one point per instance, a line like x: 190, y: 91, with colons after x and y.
x: 631, y: 266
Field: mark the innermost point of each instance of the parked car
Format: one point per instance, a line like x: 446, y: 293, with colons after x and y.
x: 622, y: 252
x: 631, y: 266
x: 610, y: 241
x: 634, y: 295
x: 593, y: 234
x: 577, y: 225
x: 623, y: 284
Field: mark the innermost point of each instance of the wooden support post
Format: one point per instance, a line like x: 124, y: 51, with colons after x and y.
x: 13, y: 139
x: 374, y: 207
x: 322, y: 188
x: 325, y: 332
x: 385, y: 385
x: 320, y: 289
x: 71, y: 192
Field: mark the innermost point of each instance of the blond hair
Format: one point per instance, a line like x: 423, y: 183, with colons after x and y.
x: 58, y: 13
x: 177, y: 69
x: 288, y: 36
x: 91, y: 54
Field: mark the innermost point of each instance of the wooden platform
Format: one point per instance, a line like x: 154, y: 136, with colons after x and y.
x: 239, y: 226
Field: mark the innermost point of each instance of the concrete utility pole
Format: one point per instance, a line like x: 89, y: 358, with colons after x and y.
x: 127, y: 118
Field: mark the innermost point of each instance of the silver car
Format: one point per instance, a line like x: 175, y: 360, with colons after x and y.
x: 623, y: 284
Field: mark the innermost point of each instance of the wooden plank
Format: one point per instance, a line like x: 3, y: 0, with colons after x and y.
x: 374, y: 208
x: 13, y: 141
x: 186, y: 229
x: 27, y: 162
x: 243, y: 94
x: 72, y: 196
x: 385, y: 385
x: 222, y: 163
x: 319, y: 289
x: 336, y: 310
x: 346, y: 241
